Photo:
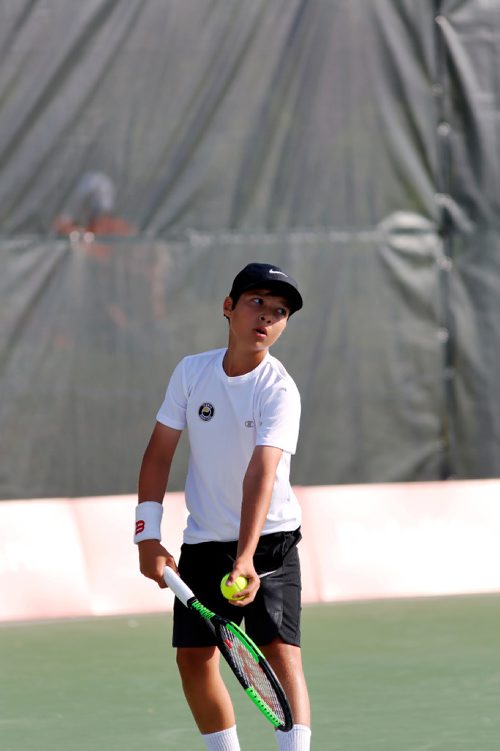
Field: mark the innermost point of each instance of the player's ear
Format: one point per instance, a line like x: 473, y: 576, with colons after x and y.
x: 227, y: 306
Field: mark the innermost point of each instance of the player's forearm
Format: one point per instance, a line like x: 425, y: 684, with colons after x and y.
x: 153, y: 479
x: 152, y: 488
x: 257, y: 493
x: 155, y: 467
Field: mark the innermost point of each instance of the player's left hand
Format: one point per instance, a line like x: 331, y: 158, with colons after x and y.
x: 247, y: 595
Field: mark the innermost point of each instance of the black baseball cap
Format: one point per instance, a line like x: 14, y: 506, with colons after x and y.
x: 271, y: 277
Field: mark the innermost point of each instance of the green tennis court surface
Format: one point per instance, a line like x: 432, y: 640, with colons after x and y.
x: 410, y: 675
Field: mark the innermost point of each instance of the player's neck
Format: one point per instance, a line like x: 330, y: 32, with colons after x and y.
x: 237, y: 362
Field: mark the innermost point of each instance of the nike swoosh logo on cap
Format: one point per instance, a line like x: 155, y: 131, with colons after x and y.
x: 274, y: 271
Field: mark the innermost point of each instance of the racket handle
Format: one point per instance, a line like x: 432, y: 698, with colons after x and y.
x: 177, y: 586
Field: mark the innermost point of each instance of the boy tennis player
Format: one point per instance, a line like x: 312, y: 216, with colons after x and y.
x: 242, y: 411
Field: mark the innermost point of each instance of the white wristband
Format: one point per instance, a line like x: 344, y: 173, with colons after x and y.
x: 148, y: 516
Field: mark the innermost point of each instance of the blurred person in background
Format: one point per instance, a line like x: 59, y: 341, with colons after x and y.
x: 93, y: 209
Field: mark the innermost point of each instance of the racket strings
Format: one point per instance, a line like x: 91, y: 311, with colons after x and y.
x: 251, y: 672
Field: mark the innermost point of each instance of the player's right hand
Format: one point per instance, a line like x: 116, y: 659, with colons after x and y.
x: 153, y: 558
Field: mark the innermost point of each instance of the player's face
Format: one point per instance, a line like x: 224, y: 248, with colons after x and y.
x: 258, y: 319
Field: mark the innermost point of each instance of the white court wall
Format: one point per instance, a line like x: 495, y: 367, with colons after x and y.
x: 75, y: 557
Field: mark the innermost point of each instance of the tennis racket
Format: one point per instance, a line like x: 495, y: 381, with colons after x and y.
x: 243, y: 657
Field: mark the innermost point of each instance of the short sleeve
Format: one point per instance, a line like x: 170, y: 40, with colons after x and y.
x: 280, y: 418
x: 172, y: 412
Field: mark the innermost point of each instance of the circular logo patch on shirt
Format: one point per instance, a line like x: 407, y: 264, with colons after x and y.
x: 206, y: 411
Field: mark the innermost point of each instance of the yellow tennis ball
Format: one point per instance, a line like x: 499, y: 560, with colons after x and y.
x: 236, y: 587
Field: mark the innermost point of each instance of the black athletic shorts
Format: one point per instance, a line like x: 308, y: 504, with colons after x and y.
x: 275, y: 612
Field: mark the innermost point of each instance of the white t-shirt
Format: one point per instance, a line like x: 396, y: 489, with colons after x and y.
x: 226, y: 418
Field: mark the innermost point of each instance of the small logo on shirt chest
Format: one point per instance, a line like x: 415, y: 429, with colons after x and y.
x: 249, y: 424
x: 206, y: 411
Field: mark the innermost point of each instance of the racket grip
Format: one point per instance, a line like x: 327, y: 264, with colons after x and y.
x: 175, y: 583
